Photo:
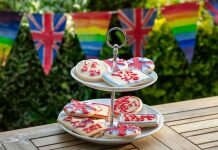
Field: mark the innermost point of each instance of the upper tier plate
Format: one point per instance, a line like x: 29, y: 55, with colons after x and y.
x: 106, y: 87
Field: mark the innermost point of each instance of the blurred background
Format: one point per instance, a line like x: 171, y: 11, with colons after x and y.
x: 29, y: 98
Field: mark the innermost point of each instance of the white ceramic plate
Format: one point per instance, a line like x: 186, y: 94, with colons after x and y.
x: 106, y: 87
x: 102, y: 140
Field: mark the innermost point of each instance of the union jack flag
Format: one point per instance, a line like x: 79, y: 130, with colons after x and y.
x: 137, y: 23
x: 47, y: 31
x: 212, y: 6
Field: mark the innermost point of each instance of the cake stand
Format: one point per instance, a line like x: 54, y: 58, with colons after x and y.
x: 106, y: 87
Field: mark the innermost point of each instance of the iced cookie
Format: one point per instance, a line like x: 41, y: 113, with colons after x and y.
x: 80, y: 109
x: 127, y: 104
x: 126, y: 78
x: 121, y: 64
x: 140, y: 120
x: 122, y: 131
x: 144, y: 64
x: 102, y: 110
x: 91, y: 70
x: 86, y: 127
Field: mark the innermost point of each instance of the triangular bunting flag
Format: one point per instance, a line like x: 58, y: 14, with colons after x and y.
x: 9, y: 26
x: 47, y: 31
x: 91, y: 29
x: 137, y: 23
x: 182, y: 19
x: 212, y: 6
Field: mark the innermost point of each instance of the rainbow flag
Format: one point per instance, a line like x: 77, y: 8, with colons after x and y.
x: 182, y: 19
x: 91, y: 29
x: 212, y: 6
x: 9, y: 26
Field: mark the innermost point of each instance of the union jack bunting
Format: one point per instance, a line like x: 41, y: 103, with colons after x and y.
x: 137, y: 23
x: 47, y: 31
x: 212, y: 6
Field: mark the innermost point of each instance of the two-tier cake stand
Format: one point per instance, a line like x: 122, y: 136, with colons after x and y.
x: 110, y: 101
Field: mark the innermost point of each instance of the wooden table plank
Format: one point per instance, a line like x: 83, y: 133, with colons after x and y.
x: 195, y: 125
x: 150, y: 143
x: 123, y: 147
x: 188, y: 105
x: 212, y: 148
x: 19, y: 145
x: 2, y: 147
x: 191, y: 114
x: 34, y: 132
x: 174, y: 140
x: 204, y: 138
x: 198, y: 132
x: 208, y: 145
x: 63, y: 144
x: 190, y: 120
x: 53, y: 139
x: 87, y: 146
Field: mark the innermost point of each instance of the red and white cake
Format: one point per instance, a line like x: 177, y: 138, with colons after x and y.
x: 80, y: 109
x: 122, y: 131
x: 126, y: 78
x: 144, y: 64
x: 86, y: 126
x: 140, y: 120
x: 91, y: 70
x: 120, y: 65
x: 127, y: 104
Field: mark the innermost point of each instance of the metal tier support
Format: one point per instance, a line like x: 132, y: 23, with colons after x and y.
x: 115, y: 52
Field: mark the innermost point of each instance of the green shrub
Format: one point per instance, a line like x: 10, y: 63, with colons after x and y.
x: 28, y: 97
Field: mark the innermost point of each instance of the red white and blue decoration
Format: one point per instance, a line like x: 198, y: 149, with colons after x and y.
x: 141, y: 63
x: 212, y: 6
x: 137, y: 23
x: 47, y: 31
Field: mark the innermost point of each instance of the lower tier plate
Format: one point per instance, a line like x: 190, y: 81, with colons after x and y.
x: 103, y: 140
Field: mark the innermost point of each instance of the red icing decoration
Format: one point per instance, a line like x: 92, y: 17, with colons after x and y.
x: 79, y: 106
x: 140, y: 64
x: 83, y: 123
x: 122, y: 129
x: 123, y: 104
x: 138, y: 118
x: 74, y: 101
x: 94, y: 72
x: 92, y: 128
x: 120, y: 62
x: 94, y: 65
x: 68, y: 118
x: 127, y: 75
x: 84, y: 68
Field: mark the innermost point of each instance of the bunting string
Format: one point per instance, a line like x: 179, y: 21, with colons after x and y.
x: 47, y: 30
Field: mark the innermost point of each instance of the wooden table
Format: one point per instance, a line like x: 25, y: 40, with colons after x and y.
x: 189, y: 125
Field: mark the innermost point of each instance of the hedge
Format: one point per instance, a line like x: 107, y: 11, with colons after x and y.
x: 28, y: 97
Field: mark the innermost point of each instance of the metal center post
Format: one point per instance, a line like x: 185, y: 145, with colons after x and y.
x: 115, y: 52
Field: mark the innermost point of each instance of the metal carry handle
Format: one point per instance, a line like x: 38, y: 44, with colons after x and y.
x: 117, y: 46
